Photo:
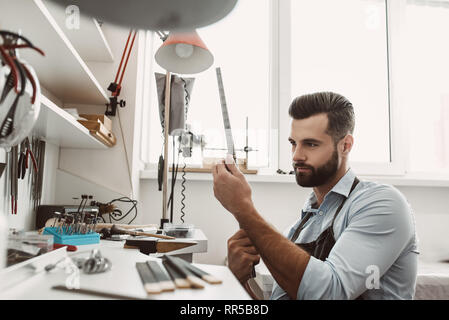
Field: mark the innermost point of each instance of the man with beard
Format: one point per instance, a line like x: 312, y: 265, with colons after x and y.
x: 353, y: 239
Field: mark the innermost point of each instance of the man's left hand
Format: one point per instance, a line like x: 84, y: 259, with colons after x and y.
x: 231, y: 187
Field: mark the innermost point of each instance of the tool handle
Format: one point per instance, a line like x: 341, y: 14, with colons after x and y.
x: 114, y: 228
x: 33, y: 159
x: 69, y: 247
x: 161, y: 236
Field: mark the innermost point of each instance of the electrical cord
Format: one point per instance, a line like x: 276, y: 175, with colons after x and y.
x: 117, y: 214
x: 174, y: 176
x: 173, y: 181
x: 183, y: 189
x: 187, y: 97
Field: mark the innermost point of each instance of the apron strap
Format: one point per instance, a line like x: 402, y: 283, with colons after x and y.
x: 301, y: 225
x: 354, y: 184
x: 309, y: 213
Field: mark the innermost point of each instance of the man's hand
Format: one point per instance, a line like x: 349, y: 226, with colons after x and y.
x: 242, y: 256
x: 231, y: 187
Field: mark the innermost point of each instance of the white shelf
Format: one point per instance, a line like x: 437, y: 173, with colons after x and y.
x: 194, y: 176
x: 412, y: 180
x: 62, y: 71
x: 58, y: 127
x: 89, y: 40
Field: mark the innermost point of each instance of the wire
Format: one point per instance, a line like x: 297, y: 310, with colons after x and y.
x: 183, y: 183
x: 173, y: 181
x: 117, y: 215
x: 187, y: 97
x: 183, y: 189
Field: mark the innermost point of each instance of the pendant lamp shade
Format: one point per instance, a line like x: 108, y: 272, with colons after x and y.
x: 155, y: 14
x: 184, y: 53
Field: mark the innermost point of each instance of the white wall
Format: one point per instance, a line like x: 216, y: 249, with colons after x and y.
x: 280, y: 203
x: 70, y: 186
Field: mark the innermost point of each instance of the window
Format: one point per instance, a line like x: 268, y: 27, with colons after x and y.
x: 341, y: 46
x: 426, y: 84
x: 388, y: 57
x: 241, y: 49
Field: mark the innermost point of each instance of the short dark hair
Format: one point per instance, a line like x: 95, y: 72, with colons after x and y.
x: 339, y: 110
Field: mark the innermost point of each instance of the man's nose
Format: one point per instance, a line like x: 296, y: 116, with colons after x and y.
x: 299, y: 154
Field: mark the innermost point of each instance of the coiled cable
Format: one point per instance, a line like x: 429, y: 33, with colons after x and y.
x: 183, y: 189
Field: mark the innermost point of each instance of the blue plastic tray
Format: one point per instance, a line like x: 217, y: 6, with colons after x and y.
x: 73, y: 239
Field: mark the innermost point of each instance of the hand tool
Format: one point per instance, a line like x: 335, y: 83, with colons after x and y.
x: 150, y: 282
x: 164, y: 280
x: 30, y: 154
x: 194, y: 281
x: 18, y: 70
x: 180, y: 281
x: 227, y: 126
x: 69, y: 247
x: 22, y: 164
x: 99, y: 293
x: 147, y: 246
x: 224, y: 111
x: 13, y: 154
x: 198, y: 272
x: 118, y: 230
x: 24, y: 154
x: 96, y: 263
x: 124, y: 226
x: 38, y: 149
x: 2, y: 168
x: 8, y: 86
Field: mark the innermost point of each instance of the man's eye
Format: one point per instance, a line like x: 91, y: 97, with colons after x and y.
x: 312, y: 144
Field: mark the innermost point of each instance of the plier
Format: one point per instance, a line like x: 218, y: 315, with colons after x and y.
x: 25, y: 152
x: 7, y: 54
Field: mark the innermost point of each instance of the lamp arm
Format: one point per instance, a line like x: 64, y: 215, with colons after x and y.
x: 162, y: 35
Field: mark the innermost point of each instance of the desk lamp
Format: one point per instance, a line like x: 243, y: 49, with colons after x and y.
x: 184, y: 53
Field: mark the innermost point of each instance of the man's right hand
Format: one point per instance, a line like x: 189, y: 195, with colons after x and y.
x: 242, y: 256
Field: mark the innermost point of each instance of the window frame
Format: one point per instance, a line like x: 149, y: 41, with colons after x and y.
x: 398, y: 147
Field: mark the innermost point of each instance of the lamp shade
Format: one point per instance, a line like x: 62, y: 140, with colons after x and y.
x: 155, y: 14
x: 184, y: 53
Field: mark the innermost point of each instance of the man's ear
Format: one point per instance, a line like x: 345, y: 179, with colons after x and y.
x: 346, y: 144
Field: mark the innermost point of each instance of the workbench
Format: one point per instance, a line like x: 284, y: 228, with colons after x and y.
x: 122, y: 279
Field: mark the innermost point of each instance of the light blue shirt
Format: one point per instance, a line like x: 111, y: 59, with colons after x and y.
x: 375, y: 254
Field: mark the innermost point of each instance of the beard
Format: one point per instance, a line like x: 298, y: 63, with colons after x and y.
x: 317, y: 176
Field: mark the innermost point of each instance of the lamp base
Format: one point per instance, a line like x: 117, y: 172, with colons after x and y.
x: 184, y: 230
x: 163, y: 221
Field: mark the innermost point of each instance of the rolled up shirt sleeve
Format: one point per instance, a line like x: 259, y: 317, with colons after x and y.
x: 379, y: 229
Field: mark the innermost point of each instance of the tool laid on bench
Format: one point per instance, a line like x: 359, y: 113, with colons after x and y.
x: 147, y: 245
x: 107, y: 232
